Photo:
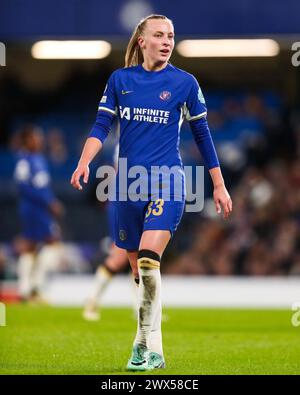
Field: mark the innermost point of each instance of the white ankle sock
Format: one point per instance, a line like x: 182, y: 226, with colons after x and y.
x: 102, y: 278
x: 26, y: 264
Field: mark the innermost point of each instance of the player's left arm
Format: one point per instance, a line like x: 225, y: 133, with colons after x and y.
x: 196, y: 113
x: 222, y: 198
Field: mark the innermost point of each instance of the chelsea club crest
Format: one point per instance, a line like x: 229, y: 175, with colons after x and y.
x: 165, y: 95
x: 122, y: 235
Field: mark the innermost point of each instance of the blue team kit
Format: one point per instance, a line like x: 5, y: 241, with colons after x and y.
x: 33, y: 181
x: 150, y: 107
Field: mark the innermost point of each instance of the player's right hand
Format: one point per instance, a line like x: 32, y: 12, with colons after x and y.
x: 81, y: 171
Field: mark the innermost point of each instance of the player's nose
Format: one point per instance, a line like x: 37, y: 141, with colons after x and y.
x: 166, y: 42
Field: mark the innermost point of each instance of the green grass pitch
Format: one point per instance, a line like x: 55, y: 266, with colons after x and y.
x: 51, y: 340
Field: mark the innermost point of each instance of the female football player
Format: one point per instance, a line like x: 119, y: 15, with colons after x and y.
x: 150, y: 97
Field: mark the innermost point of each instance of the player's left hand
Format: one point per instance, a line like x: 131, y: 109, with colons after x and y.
x: 222, y: 201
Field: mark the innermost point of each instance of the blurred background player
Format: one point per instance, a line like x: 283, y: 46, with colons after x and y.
x: 38, y: 247
x: 115, y: 262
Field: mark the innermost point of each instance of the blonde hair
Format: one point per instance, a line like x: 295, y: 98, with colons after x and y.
x: 134, y: 55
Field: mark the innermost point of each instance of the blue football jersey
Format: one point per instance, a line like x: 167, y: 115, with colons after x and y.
x: 33, y: 179
x: 151, y: 107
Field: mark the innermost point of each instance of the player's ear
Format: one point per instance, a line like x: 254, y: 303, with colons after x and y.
x: 141, y: 41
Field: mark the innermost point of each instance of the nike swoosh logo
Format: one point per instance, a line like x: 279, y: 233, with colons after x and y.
x: 125, y: 92
x: 138, y: 363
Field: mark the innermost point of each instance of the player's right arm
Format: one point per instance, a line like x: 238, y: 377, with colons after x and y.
x: 91, y: 148
x: 105, y: 116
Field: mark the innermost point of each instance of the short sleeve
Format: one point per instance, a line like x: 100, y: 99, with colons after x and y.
x: 195, y: 107
x: 108, y: 101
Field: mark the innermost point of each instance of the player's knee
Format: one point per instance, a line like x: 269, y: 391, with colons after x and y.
x: 112, y: 264
x: 106, y: 270
x: 148, y: 259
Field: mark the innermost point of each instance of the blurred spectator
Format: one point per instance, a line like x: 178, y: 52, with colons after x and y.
x: 262, y: 237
